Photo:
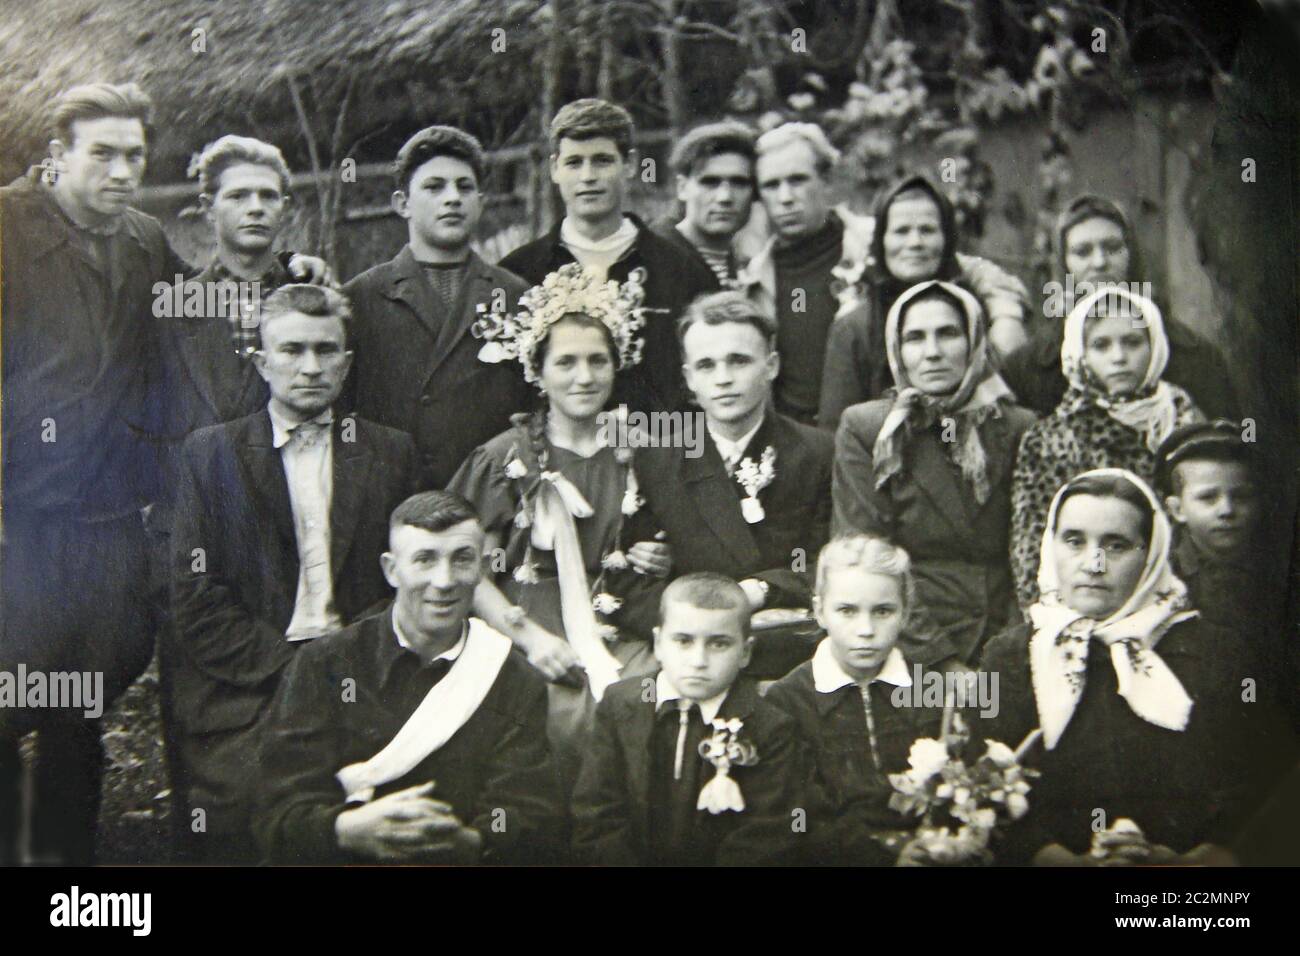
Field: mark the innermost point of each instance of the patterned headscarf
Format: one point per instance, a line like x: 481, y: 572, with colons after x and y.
x: 973, y: 403
x: 1151, y: 409
x: 1062, y: 636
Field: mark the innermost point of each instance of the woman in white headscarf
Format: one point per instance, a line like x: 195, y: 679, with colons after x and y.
x: 1116, y: 412
x: 1136, y: 701
x: 929, y: 467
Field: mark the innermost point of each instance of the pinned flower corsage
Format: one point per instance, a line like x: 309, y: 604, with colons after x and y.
x: 725, y: 750
x: 754, y: 477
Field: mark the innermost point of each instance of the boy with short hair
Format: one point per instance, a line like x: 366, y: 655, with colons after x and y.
x: 856, y: 702
x: 691, y: 767
x: 1205, y: 475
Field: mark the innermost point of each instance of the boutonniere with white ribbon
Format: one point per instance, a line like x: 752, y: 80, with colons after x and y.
x: 725, y: 750
x: 754, y: 477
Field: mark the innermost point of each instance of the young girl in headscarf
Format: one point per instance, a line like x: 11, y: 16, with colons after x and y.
x: 929, y: 468
x: 1095, y: 243
x: 1116, y: 412
x: 1138, y: 700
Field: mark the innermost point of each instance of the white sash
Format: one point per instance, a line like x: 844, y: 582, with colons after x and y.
x: 558, y: 501
x: 444, y: 710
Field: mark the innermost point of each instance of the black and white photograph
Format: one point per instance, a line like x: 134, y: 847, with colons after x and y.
x: 650, y: 433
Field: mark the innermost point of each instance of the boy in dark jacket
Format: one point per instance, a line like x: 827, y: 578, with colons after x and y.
x: 691, y: 767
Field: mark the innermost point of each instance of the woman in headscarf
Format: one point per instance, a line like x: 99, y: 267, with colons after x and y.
x: 914, y: 239
x: 553, y: 491
x: 1095, y: 244
x: 1135, y: 702
x: 1116, y: 412
x: 929, y: 468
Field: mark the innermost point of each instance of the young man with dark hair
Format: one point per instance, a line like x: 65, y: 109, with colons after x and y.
x: 713, y: 166
x: 281, y: 517
x: 756, y: 504
x: 434, y: 749
x: 416, y: 359
x: 83, y: 392
x: 592, y: 160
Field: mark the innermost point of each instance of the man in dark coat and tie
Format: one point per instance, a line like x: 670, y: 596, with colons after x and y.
x: 746, y: 492
x: 417, y: 364
x: 281, y: 517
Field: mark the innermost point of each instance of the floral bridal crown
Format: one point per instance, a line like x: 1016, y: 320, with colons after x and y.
x: 568, y: 290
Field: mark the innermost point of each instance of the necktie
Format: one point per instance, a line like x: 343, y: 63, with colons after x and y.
x: 684, y: 708
x: 308, y: 434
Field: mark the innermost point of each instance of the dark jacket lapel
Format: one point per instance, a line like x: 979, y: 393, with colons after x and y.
x: 352, y: 461
x: 267, y: 486
x: 635, y: 729
x: 740, y: 700
x: 407, y: 283
x: 935, y: 474
x: 706, y: 480
x: 207, y: 352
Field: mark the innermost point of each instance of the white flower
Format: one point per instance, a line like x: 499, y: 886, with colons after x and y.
x: 516, y: 469
x: 927, y: 757
x: 492, y: 353
x: 1017, y: 805
x: 1000, y: 754
x: 632, y: 502
x: 526, y: 573
x: 614, y: 561
x: 523, y: 519
x: 605, y: 603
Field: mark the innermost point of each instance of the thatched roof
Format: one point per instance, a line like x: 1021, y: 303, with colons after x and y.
x: 423, y: 53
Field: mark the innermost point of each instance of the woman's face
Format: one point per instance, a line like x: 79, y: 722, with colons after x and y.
x: 1099, y: 551
x: 863, y: 614
x: 577, y: 373
x: 932, y: 346
x: 913, y: 238
x: 1117, y: 351
x: 1095, y: 251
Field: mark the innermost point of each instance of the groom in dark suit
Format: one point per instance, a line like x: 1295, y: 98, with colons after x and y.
x: 753, y: 499
x: 280, y: 521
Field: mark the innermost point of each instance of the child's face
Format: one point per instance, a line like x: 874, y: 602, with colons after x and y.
x: 863, y: 614
x: 702, y: 651
x: 1218, y: 505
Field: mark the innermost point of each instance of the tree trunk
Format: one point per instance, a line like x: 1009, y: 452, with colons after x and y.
x: 313, y: 155
x: 605, y: 73
x: 550, y: 102
x: 670, y: 47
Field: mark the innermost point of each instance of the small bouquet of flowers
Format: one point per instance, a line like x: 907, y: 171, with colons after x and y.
x: 973, y: 798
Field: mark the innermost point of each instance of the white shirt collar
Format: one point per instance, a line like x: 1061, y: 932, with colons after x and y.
x: 829, y: 676
x: 665, y: 691
x: 281, y: 426
x: 731, y: 450
x: 450, y: 654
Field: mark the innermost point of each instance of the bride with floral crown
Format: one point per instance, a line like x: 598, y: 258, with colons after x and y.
x: 553, y: 492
